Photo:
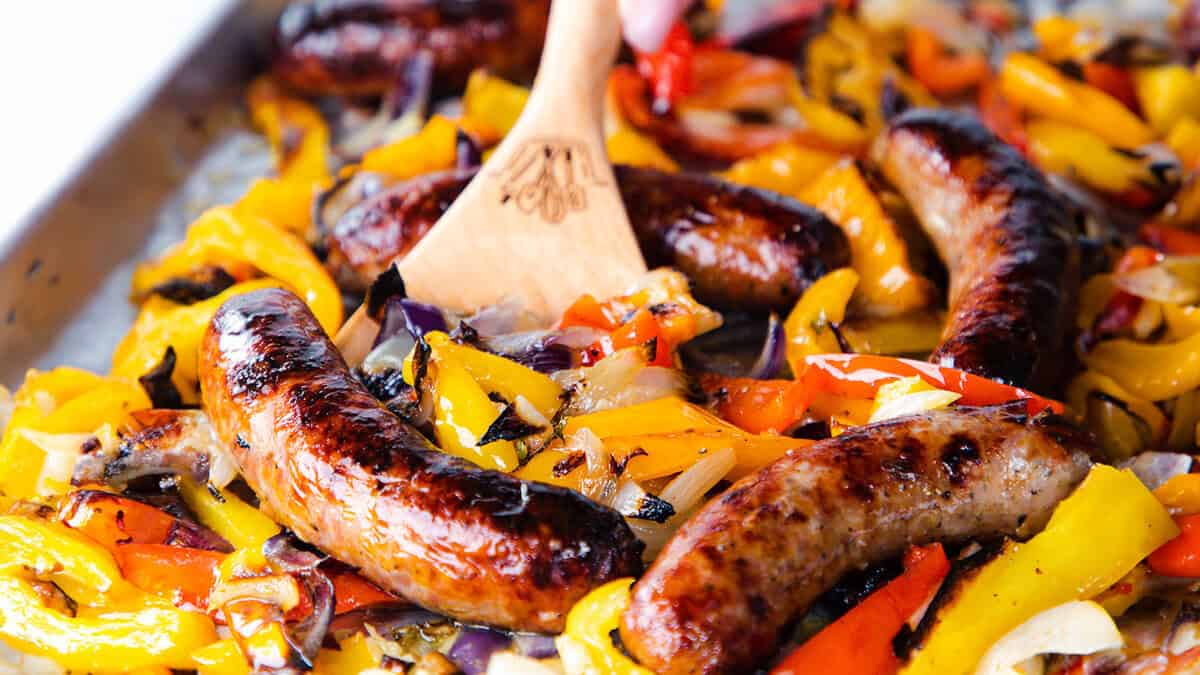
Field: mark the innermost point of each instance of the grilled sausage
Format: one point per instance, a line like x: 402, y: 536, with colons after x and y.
x: 332, y: 464
x: 357, y: 46
x: 753, y: 559
x: 742, y: 248
x: 1003, y: 235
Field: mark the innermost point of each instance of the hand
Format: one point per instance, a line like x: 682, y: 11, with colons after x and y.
x: 646, y: 22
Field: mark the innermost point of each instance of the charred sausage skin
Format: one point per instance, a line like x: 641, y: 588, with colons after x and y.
x: 743, y: 248
x: 345, y: 474
x: 356, y: 47
x: 1004, y: 236
x: 753, y: 559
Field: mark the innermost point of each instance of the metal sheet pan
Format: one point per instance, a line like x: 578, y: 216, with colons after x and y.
x: 64, y: 276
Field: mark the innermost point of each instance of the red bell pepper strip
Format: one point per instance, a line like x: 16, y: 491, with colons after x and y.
x: 1170, y: 240
x: 860, y: 642
x: 1114, y: 81
x: 757, y: 406
x: 942, y: 72
x: 186, y: 574
x: 352, y: 591
x: 1180, y: 557
x: 669, y: 70
x: 1123, y: 307
x: 1002, y: 116
x: 861, y: 375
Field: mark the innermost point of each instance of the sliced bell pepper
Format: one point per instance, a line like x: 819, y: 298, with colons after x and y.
x: 222, y: 658
x: 1040, y: 88
x: 353, y: 655
x: 808, y: 326
x: 1002, y: 115
x: 1167, y: 94
x: 666, y: 415
x: 626, y: 146
x: 1182, y: 321
x: 111, y: 519
x: 1067, y: 149
x: 669, y: 70
x: 499, y: 375
x: 942, y: 73
x: 352, y: 591
x: 286, y: 204
x: 1179, y: 557
x: 757, y: 406
x: 652, y: 456
x: 434, y: 148
x: 1180, y: 494
x: 184, y: 575
x: 917, y: 333
x: 640, y: 329
x: 1082, y: 387
x: 1071, y: 559
x: 887, y: 283
x: 1156, y: 372
x: 492, y: 104
x: 586, y: 646
x: 1184, y: 141
x: 298, y: 134
x: 860, y: 376
x: 1062, y: 38
x: 860, y: 642
x: 1115, y: 81
x: 787, y: 169
x: 1170, y: 240
x: 462, y: 414
x: 224, y: 513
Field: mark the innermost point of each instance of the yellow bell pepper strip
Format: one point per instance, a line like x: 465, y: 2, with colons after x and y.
x: 627, y: 146
x: 907, y: 396
x: 222, y: 658
x: 1184, y: 141
x: 61, y: 401
x: 586, y: 646
x: 912, y: 334
x: 163, y: 324
x: 491, y: 104
x: 462, y: 414
x: 1039, y: 87
x: 1182, y: 321
x: 1083, y: 386
x: 1130, y: 589
x: 1064, y: 39
x: 224, y: 513
x: 434, y: 148
x: 1156, y: 372
x: 219, y: 235
x: 808, y: 325
x: 353, y: 655
x: 286, y: 204
x: 1069, y: 150
x: 298, y: 134
x: 787, y: 169
x: 499, y: 375
x: 1167, y: 94
x: 887, y: 283
x: 658, y: 455
x: 1071, y: 559
x: 116, y: 622
x: 666, y: 415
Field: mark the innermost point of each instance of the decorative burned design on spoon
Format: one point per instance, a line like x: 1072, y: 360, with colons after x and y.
x: 549, y: 177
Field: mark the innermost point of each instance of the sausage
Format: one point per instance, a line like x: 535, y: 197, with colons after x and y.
x: 1005, y: 238
x: 342, y: 472
x: 356, y: 47
x: 752, y: 560
x: 743, y: 248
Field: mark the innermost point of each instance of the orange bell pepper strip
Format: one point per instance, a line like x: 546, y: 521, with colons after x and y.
x: 352, y: 591
x: 942, y: 72
x: 860, y: 376
x: 1112, y: 80
x: 185, y: 575
x: 669, y: 70
x: 860, y: 642
x: 1002, y: 116
x: 642, y: 328
x: 757, y: 406
x: 1170, y: 240
x: 112, y: 520
x: 1180, y: 557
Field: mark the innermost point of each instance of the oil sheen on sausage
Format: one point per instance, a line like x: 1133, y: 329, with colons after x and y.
x: 742, y: 248
x: 1004, y: 237
x: 345, y: 474
x: 752, y: 560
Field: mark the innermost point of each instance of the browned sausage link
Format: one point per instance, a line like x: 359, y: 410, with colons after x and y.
x: 345, y: 474
x: 743, y: 248
x: 357, y: 46
x: 753, y: 559
x: 1003, y: 235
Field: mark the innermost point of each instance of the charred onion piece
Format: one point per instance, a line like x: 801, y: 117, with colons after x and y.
x: 742, y: 248
x: 357, y: 46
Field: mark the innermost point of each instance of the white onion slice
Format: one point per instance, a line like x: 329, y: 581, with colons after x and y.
x: 1080, y: 627
x: 508, y: 663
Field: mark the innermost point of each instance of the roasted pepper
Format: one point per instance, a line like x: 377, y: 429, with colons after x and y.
x: 1116, y: 81
x: 163, y: 324
x: 1089, y: 382
x: 757, y: 406
x: 224, y: 513
x: 1170, y: 240
x: 787, y: 168
x: 627, y: 146
x: 298, y: 134
x: 586, y: 646
x: 434, y: 148
x: 1155, y: 372
x: 917, y: 333
x: 1184, y: 141
x: 1040, y: 88
x: 887, y: 283
x: 286, y: 204
x: 491, y: 104
x: 1167, y: 94
x: 222, y: 658
x: 1179, y: 557
x: 809, y: 326
x: 669, y: 70
x: 1070, y: 150
x: 182, y: 575
x: 123, y: 628
x: 63, y: 400
x: 353, y: 655
x: 1000, y: 114
x: 462, y: 414
x: 941, y: 72
x: 1071, y: 559
x: 502, y: 376
x: 1180, y: 494
x: 221, y: 236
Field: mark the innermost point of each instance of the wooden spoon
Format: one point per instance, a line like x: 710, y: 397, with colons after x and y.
x: 543, y: 221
